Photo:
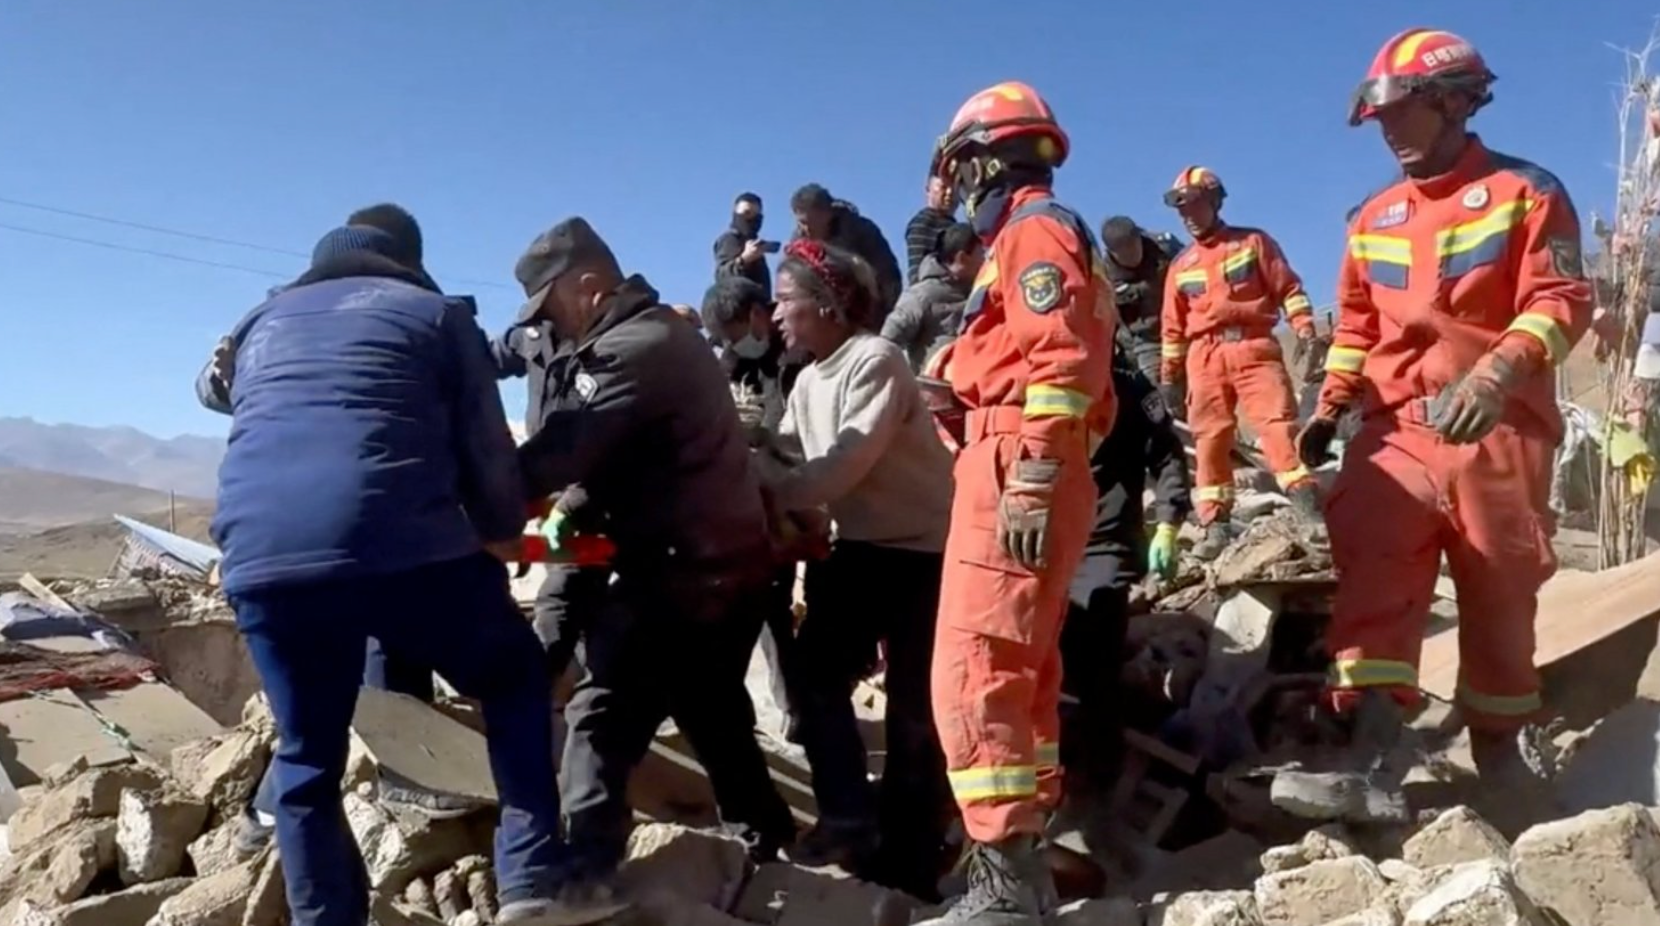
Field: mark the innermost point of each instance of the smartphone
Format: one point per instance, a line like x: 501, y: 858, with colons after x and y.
x: 771, y: 247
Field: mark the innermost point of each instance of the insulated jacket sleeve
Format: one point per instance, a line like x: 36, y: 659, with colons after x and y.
x: 728, y: 249
x: 869, y: 416
x: 490, y: 480
x: 904, y: 325
x: 504, y: 350
x: 889, y: 278
x: 1356, y: 334
x: 573, y: 443
x: 1166, y: 457
x: 1051, y: 311
x: 1285, y: 285
x: 1173, y: 330
x: 1553, y: 299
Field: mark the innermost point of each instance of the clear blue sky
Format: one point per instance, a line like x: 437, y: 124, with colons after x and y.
x: 491, y: 119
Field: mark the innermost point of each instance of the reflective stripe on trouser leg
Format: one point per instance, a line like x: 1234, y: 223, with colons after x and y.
x: 1046, y: 721
x: 1210, y: 414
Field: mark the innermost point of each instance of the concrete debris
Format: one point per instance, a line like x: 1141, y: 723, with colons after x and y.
x: 400, y: 843
x: 79, y: 794
x: 131, y: 907
x: 217, y: 900
x: 152, y: 832
x: 1111, y: 911
x: 1395, y: 870
x: 57, y: 870
x: 1480, y: 893
x: 1600, y: 867
x: 268, y: 904
x: 223, y: 770
x: 449, y: 895
x: 1319, y: 893
x: 1618, y: 761
x: 1206, y: 908
x: 1456, y: 836
x: 663, y: 911
x: 216, y: 850
x: 1274, y: 548
x: 418, y: 896
x: 1325, y: 844
x: 1373, y: 916
x: 385, y: 912
x: 785, y: 895
x: 697, y: 866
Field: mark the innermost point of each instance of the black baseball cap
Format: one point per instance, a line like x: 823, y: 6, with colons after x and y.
x: 571, y: 244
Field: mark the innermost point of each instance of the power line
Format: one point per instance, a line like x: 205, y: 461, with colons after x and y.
x: 176, y: 233
x: 165, y: 255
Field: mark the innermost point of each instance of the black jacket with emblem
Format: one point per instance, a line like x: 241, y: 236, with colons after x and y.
x: 1143, y: 444
x: 639, y: 413
x: 528, y: 351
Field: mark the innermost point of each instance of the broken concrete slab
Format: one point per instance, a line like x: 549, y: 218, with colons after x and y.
x: 216, y: 850
x: 131, y: 907
x: 386, y: 912
x: 1319, y: 845
x: 1480, y: 893
x: 1205, y: 908
x: 57, y: 870
x: 1600, y: 867
x: 1618, y: 762
x: 399, y: 844
x: 84, y: 795
x: 697, y: 866
x: 222, y: 770
x: 1458, y: 835
x: 152, y: 832
x: 1372, y: 916
x: 217, y: 900
x: 423, y: 750
x: 268, y: 904
x: 1109, y: 911
x: 785, y: 895
x: 1320, y: 892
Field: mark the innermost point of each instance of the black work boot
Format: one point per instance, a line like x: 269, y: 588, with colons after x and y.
x: 1009, y: 884
x: 1359, y: 778
x: 1518, y: 778
x: 1215, y: 541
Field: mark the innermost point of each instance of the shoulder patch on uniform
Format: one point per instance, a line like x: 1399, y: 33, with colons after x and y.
x: 1537, y: 177
x: 586, y: 386
x: 1566, y: 256
x: 1040, y: 286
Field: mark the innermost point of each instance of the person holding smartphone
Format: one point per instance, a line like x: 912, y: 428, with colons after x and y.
x: 740, y: 251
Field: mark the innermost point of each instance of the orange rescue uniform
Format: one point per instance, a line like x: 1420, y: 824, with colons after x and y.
x: 1032, y: 366
x: 1438, y: 273
x: 1222, y: 298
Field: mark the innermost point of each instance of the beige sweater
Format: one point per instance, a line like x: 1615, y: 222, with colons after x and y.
x: 869, y: 449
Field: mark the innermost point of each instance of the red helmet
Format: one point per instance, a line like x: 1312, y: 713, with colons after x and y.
x: 1194, y: 181
x: 996, y: 114
x: 1416, y: 61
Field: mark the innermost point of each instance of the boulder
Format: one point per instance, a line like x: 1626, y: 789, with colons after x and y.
x: 1110, y: 911
x: 785, y: 895
x: 217, y: 900
x: 57, y: 870
x: 152, y: 832
x: 222, y: 770
x: 80, y: 794
x: 400, y: 844
x: 131, y: 907
x: 694, y: 865
x: 216, y: 850
x: 1320, y: 892
x: 1601, y: 867
x: 268, y: 904
x: 1456, y: 836
x: 1206, y: 908
x: 1480, y: 893
x: 1322, y: 845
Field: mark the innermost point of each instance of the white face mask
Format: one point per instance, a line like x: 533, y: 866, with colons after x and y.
x: 750, y: 347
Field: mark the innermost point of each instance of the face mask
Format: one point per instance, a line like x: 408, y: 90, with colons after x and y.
x: 986, y: 215
x: 747, y: 224
x: 750, y: 347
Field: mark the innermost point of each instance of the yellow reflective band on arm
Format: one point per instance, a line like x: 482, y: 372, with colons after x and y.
x: 1382, y: 248
x: 1291, y: 477
x: 1546, y: 331
x: 980, y: 784
x: 1501, y: 705
x: 1373, y: 673
x: 1471, y: 235
x: 1048, y: 755
x: 1214, y: 493
x: 1171, y: 350
x: 1345, y: 360
x: 1055, y: 402
x: 1190, y: 277
x: 1297, y: 305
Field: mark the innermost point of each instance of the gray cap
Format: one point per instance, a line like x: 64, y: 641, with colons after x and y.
x: 570, y: 244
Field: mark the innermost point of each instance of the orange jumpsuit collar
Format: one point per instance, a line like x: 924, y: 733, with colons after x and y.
x: 1470, y: 162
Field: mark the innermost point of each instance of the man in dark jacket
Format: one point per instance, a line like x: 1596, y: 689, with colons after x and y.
x: 930, y: 313
x: 1136, y: 265
x: 642, y: 418
x: 368, y: 471
x: 837, y: 222
x: 1143, y: 444
x: 740, y: 251
x: 922, y: 233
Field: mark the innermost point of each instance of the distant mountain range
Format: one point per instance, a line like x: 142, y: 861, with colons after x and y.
x: 187, y: 465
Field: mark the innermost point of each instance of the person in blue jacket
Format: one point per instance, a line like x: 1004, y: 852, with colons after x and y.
x: 368, y: 480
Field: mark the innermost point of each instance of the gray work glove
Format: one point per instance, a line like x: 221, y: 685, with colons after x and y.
x: 1023, y: 511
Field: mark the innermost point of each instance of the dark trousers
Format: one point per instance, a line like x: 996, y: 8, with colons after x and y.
x: 569, y: 598
x: 458, y: 617
x: 1092, y: 657
x: 655, y: 651
x: 859, y: 597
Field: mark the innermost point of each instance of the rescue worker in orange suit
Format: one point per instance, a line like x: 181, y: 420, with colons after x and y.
x: 1222, y: 299
x: 1032, y: 366
x: 1461, y: 289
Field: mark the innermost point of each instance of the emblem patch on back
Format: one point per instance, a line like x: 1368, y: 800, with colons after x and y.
x: 1040, y: 286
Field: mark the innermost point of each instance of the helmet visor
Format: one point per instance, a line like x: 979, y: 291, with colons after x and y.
x: 1378, y: 92
x: 1181, y: 196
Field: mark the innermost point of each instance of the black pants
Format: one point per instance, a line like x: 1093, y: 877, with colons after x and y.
x: 647, y: 658
x: 1092, y: 656
x: 860, y: 596
x: 569, y: 597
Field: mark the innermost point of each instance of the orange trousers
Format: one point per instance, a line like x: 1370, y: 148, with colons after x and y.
x: 1223, y: 376
x: 1404, y: 498
x: 997, y: 665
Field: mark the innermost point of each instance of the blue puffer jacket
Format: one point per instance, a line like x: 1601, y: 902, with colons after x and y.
x: 368, y: 435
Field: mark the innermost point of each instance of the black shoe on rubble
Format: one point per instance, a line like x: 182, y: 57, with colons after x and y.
x: 1361, y: 777
x: 1009, y: 884
x: 849, y: 846
x: 1216, y: 539
x: 1517, y: 772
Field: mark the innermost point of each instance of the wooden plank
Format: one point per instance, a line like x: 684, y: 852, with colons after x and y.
x: 38, y: 589
x: 1576, y: 609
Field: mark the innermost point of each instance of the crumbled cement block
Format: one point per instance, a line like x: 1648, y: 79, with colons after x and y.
x: 223, y: 770
x: 81, y: 794
x: 1319, y: 893
x: 268, y: 904
x: 1322, y: 845
x: 216, y: 850
x: 217, y: 900
x: 1206, y: 908
x: 786, y: 895
x: 385, y: 912
x: 1455, y: 837
x: 1372, y: 916
x: 57, y: 870
x: 399, y: 844
x: 1110, y: 911
x: 694, y: 865
x: 131, y: 907
x: 1394, y: 870
x: 1601, y: 867
x: 663, y: 910
x: 1480, y: 893
x: 152, y: 832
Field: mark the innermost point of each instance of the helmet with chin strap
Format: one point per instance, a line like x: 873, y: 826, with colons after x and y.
x: 1003, y: 127
x: 1421, y: 61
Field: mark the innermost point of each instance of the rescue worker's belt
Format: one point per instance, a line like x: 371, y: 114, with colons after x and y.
x: 998, y: 419
x: 1233, y: 333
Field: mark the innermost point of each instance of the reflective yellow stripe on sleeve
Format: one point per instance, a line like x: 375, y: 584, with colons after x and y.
x: 1173, y: 350
x: 1214, y: 493
x: 1501, y: 705
x: 990, y: 783
x: 1546, y: 331
x: 1373, y: 673
x: 1297, y: 305
x: 1055, y: 402
x: 1345, y: 360
x: 1291, y: 477
x: 1048, y: 755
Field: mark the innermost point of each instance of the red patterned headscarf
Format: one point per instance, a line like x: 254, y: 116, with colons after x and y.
x: 838, y: 277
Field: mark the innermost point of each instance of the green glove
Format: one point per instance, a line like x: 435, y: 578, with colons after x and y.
x: 1161, y: 553
x: 556, y: 528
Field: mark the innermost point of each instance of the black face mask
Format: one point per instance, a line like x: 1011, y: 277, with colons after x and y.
x: 747, y: 224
